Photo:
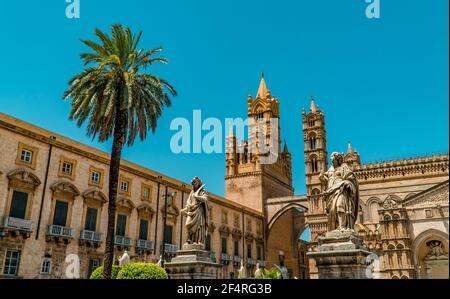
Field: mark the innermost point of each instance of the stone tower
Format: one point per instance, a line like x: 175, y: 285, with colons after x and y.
x: 316, y: 161
x: 254, y: 173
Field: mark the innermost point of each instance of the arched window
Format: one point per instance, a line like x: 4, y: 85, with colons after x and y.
x: 387, y: 217
x: 395, y: 277
x: 314, y: 164
x: 312, y: 143
x: 311, y: 123
x: 373, y: 210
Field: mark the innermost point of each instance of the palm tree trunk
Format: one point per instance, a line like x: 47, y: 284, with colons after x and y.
x: 116, y: 152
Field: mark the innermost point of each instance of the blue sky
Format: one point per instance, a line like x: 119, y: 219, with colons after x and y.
x: 383, y: 84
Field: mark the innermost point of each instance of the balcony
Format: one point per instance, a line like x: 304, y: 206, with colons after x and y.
x: 92, y: 236
x: 170, y: 249
x: 18, y: 224
x: 225, y: 258
x: 122, y: 241
x: 251, y: 262
x: 261, y: 263
x: 144, y: 245
x: 59, y: 231
x: 237, y: 259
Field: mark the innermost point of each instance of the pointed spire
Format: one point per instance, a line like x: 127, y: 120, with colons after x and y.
x: 349, y: 149
x: 263, y: 91
x: 313, y: 105
x: 285, y: 149
x: 231, y: 134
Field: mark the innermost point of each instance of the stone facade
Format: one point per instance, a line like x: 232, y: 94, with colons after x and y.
x: 391, y: 221
x: 40, y: 248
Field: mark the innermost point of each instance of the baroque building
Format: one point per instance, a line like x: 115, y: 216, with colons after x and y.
x: 53, y: 210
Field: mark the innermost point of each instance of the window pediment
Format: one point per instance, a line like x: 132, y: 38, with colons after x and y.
x: 23, y: 178
x: 145, y: 210
x: 94, y: 195
x: 237, y: 233
x: 125, y: 203
x: 65, y: 188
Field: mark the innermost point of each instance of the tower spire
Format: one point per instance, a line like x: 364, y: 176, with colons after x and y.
x: 349, y: 148
x: 263, y: 91
x: 313, y: 105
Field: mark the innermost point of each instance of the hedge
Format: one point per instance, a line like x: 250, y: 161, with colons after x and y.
x: 142, y: 271
x: 98, y: 272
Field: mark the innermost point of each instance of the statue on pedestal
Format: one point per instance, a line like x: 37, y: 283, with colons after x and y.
x: 124, y: 259
x: 241, y: 271
x: 258, y: 271
x: 341, y: 194
x: 197, y: 215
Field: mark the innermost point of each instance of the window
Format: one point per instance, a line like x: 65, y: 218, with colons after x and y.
x: 121, y: 225
x: 259, y: 253
x: 314, y: 165
x: 46, y: 266
x: 67, y: 168
x: 224, y: 245
x: 96, y: 177
x: 60, y: 215
x: 312, y: 143
x: 91, y: 219
x: 236, y: 220
x: 249, y: 224
x: 143, y: 229
x: 26, y: 155
x: 11, y: 262
x: 168, y: 234
x: 18, y: 205
x: 125, y: 186
x: 146, y: 192
x: 236, y: 247
x: 249, y: 250
x: 224, y: 217
x: 311, y: 123
x: 93, y: 264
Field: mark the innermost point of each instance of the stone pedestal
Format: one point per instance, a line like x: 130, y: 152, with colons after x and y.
x: 341, y: 255
x: 192, y: 262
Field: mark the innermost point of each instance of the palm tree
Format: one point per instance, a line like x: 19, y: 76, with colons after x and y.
x: 117, y: 99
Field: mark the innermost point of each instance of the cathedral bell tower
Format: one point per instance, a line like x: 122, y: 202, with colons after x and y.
x: 316, y: 161
x: 249, y: 180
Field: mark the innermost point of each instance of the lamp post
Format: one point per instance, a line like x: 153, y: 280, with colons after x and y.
x: 165, y: 195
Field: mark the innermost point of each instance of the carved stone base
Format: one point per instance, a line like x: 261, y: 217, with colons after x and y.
x: 341, y: 255
x: 192, y: 264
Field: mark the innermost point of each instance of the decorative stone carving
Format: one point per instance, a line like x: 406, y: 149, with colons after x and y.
x: 22, y: 178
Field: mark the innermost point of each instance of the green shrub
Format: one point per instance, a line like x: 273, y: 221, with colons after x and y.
x: 269, y: 274
x: 98, y: 272
x: 142, y: 271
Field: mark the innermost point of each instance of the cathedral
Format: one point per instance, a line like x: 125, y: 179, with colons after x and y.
x: 403, y: 207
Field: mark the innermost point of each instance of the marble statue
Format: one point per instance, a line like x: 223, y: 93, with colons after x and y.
x: 124, y: 259
x: 341, y: 194
x: 197, y: 214
x: 241, y: 271
x: 258, y: 271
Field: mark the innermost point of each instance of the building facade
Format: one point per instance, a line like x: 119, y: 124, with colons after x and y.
x: 53, y: 207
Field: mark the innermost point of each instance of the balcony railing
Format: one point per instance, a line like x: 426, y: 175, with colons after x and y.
x: 122, y: 241
x: 59, y: 231
x: 251, y: 262
x: 19, y: 224
x: 225, y: 257
x: 169, y: 248
x: 261, y: 263
x: 237, y: 259
x: 144, y: 244
x: 91, y: 236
